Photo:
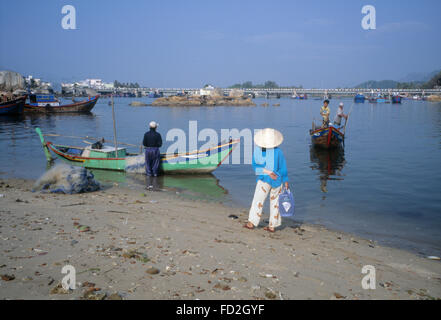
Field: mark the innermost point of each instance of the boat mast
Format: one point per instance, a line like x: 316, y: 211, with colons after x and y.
x: 114, y: 129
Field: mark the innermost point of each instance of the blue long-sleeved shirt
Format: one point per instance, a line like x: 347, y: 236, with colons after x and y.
x: 272, y: 160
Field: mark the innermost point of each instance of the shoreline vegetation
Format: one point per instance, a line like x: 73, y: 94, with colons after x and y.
x: 267, y: 85
x: 125, y: 244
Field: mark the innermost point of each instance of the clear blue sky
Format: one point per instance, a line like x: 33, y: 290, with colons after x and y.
x: 190, y: 43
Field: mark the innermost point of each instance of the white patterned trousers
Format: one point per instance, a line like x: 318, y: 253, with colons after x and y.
x: 260, y: 195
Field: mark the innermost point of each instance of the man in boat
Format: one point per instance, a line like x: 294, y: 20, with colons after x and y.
x: 339, y: 115
x: 325, y: 112
x: 152, y: 142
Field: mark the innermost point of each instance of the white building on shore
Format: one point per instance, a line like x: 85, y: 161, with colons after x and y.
x: 89, y: 83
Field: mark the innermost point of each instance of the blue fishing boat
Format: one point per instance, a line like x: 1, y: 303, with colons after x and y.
x: 155, y: 94
x: 379, y: 99
x: 47, y: 103
x: 14, y: 106
x: 359, y: 98
x: 396, y: 99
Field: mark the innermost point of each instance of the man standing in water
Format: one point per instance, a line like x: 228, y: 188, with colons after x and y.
x: 152, y: 142
x: 325, y: 113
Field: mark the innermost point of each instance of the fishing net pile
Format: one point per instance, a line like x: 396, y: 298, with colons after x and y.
x: 135, y: 164
x: 66, y: 179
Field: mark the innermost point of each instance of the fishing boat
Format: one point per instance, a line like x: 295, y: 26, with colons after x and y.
x: 396, y: 99
x: 328, y: 138
x: 359, y: 98
x: 118, y: 159
x: 378, y: 99
x: 47, y: 103
x: 155, y: 94
x: 14, y: 106
x: 300, y: 97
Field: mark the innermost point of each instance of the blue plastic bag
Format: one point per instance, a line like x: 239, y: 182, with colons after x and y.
x: 286, y: 203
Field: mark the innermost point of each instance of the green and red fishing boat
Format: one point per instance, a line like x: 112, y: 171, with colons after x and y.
x: 118, y: 159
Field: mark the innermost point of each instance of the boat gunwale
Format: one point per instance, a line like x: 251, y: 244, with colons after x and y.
x: 323, y: 129
x: 54, y: 148
x: 76, y: 104
x: 12, y: 103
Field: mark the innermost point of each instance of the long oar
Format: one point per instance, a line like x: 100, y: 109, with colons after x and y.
x: 346, y: 123
x: 114, y: 128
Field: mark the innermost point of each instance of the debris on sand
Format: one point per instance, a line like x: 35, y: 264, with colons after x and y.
x: 433, y: 258
x: 7, y: 277
x: 152, y: 270
x: 270, y: 295
x: 58, y: 289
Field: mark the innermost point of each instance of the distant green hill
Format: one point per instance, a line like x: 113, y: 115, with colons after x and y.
x: 426, y: 81
x: 383, y: 84
x: 434, y: 82
x: 390, y: 84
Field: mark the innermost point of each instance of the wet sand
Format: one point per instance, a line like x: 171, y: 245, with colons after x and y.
x: 127, y: 244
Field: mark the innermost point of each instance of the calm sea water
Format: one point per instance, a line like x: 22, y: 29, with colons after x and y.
x: 385, y: 186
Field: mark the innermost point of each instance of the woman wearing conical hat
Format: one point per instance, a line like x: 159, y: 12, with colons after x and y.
x: 270, y: 167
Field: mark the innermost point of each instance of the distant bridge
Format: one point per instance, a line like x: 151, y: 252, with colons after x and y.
x: 282, y: 92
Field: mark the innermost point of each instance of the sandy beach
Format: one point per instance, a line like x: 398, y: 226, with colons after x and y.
x: 127, y: 244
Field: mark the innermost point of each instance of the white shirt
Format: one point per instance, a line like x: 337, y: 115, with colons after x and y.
x: 338, y: 116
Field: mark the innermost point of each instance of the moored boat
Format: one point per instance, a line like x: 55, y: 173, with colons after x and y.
x: 14, y: 106
x: 328, y: 138
x: 359, y: 98
x: 302, y: 96
x: 109, y: 158
x: 379, y: 99
x: 49, y: 104
x: 155, y: 94
x: 396, y: 99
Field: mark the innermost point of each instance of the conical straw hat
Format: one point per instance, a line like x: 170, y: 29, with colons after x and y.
x: 268, y: 138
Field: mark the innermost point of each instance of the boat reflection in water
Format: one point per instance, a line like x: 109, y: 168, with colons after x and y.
x: 202, y: 186
x: 329, y: 163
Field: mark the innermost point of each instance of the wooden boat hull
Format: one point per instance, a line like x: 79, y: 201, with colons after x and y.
x: 15, y: 106
x: 327, y: 138
x: 78, y: 107
x: 202, y: 161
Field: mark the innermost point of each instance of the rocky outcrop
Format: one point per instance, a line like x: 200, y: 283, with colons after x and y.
x: 237, y: 93
x: 434, y: 98
x: 11, y: 81
x: 203, y: 101
x: 137, y: 104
